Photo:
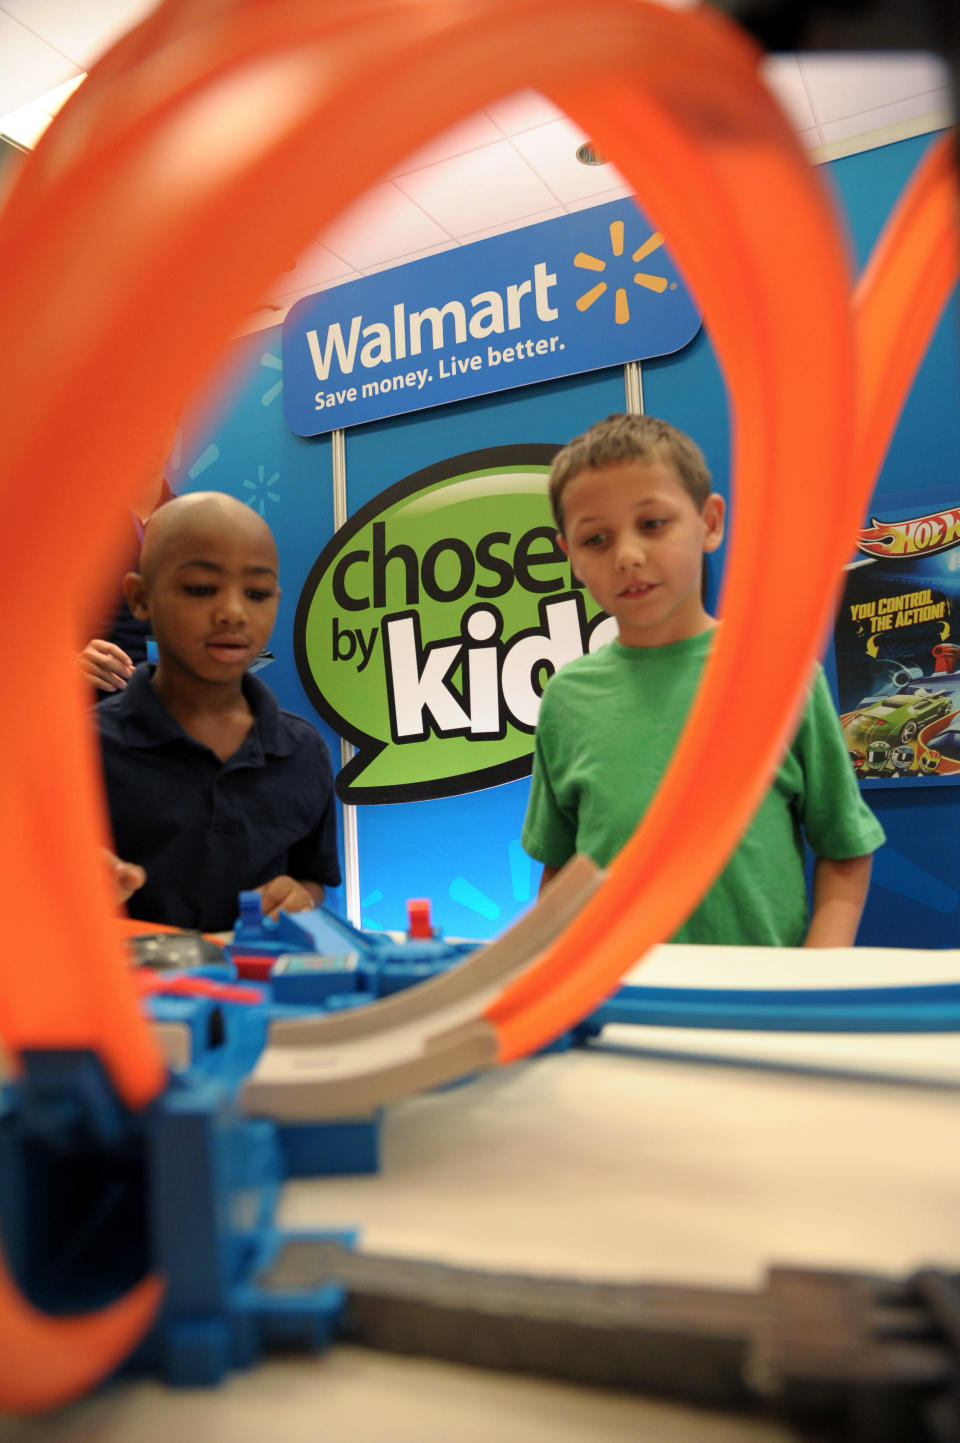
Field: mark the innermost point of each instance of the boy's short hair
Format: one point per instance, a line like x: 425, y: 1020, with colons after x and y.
x: 621, y: 439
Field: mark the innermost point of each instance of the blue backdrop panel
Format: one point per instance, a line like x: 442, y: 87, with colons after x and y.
x: 241, y: 444
x: 926, y: 443
x: 462, y: 852
x: 915, y: 893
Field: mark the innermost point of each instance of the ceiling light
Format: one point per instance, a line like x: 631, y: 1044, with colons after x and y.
x: 587, y: 154
x: 25, y: 125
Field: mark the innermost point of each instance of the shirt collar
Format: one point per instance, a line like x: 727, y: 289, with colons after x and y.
x: 147, y: 723
x: 275, y: 736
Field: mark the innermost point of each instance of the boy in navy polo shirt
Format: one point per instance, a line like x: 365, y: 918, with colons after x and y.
x: 212, y: 789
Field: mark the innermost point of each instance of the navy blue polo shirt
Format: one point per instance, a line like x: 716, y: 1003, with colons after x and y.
x: 205, y: 829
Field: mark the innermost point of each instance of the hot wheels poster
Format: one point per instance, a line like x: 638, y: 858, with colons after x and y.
x: 897, y: 642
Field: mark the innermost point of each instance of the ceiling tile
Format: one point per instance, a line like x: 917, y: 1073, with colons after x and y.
x: 482, y: 188
x: 25, y: 125
x: 601, y: 198
x: 552, y: 214
x: 28, y: 65
x: 551, y: 150
x: 933, y: 103
x: 810, y: 139
x: 783, y: 76
x: 80, y: 29
x: 414, y: 256
x: 842, y: 85
x: 315, y: 267
x: 383, y: 224
x: 470, y: 182
x: 470, y: 134
x: 522, y: 111
x: 284, y: 300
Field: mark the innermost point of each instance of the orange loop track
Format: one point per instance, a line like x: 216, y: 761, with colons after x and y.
x: 150, y: 221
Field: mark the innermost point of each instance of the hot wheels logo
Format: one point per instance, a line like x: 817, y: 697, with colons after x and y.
x: 918, y: 536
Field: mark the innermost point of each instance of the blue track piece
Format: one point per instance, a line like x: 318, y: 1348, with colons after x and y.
x: 379, y: 964
x: 931, y: 1008
x: 93, y: 1197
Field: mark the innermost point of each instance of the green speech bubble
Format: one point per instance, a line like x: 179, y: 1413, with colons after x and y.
x: 429, y: 623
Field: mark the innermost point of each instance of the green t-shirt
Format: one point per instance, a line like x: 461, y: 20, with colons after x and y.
x: 608, y: 725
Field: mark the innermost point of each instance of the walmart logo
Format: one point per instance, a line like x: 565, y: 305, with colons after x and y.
x: 261, y: 490
x: 621, y: 307
x: 593, y: 289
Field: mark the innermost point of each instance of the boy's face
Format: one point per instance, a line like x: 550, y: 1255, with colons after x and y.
x: 212, y: 595
x: 636, y: 540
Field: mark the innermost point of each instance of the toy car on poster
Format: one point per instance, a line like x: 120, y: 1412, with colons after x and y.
x: 896, y: 718
x: 887, y: 735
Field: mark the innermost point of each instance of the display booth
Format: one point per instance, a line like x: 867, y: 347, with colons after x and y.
x: 441, y: 816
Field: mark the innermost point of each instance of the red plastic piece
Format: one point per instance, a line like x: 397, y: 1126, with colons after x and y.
x: 418, y: 919
x: 253, y: 969
x: 150, y: 983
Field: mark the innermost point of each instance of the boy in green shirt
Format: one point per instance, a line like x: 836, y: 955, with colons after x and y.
x: 632, y: 501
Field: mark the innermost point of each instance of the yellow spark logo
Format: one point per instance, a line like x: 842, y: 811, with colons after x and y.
x: 587, y: 262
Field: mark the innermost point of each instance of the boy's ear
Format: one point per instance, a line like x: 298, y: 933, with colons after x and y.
x: 714, y: 511
x: 135, y: 594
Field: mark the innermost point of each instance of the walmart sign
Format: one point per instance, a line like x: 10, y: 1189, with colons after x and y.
x: 588, y: 290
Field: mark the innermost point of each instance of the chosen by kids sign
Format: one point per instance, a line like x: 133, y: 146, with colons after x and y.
x: 593, y: 289
x: 897, y: 650
x: 429, y: 624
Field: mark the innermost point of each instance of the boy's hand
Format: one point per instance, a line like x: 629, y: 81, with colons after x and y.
x: 105, y: 666
x: 291, y: 895
x: 127, y: 876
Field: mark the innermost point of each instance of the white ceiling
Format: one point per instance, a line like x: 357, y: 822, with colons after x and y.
x: 509, y: 165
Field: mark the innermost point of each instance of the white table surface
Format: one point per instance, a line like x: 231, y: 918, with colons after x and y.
x: 660, y: 1155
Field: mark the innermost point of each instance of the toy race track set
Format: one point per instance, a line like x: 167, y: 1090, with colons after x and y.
x: 138, y: 1201
x: 192, y: 1185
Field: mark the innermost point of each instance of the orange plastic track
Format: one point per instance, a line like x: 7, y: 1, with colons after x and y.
x: 150, y: 221
x: 45, y: 1362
